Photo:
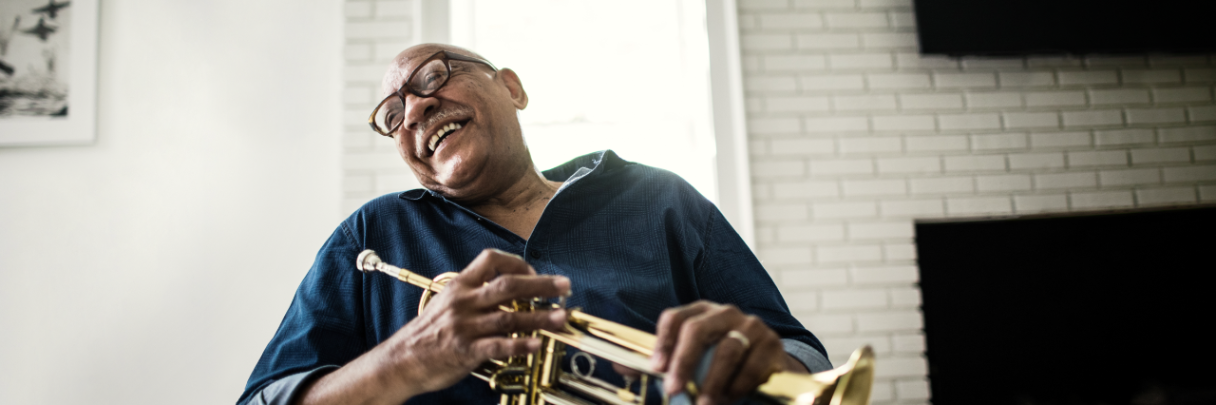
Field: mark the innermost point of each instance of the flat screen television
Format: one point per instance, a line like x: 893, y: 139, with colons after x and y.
x: 1024, y: 27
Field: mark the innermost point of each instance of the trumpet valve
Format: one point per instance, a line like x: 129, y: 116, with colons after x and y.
x: 510, y: 380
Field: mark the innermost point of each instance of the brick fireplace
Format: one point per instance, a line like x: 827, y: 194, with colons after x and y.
x: 854, y: 136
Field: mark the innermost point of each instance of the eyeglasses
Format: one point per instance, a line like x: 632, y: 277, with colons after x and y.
x: 425, y: 80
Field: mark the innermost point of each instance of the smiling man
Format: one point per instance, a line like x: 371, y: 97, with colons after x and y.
x: 626, y: 242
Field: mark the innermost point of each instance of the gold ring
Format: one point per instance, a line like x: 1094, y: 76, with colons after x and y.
x: 737, y: 335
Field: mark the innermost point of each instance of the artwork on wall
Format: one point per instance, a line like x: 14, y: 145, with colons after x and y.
x: 48, y: 72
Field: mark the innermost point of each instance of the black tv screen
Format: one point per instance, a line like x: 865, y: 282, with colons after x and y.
x: 1022, y: 27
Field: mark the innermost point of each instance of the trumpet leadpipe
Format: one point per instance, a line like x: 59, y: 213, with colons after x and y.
x: 368, y: 262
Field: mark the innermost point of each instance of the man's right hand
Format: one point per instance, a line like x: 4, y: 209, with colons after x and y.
x: 463, y: 326
x: 458, y: 330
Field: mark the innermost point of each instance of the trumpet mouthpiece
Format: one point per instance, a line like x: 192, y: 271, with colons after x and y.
x: 367, y: 261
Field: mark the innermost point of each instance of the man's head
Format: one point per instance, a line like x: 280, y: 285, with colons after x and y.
x: 487, y: 152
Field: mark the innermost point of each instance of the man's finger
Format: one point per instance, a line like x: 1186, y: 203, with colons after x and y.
x: 695, y: 336
x: 507, y: 288
x: 667, y: 330
x: 760, y: 363
x: 491, y: 263
x: 502, y: 322
x: 502, y: 347
x: 727, y: 358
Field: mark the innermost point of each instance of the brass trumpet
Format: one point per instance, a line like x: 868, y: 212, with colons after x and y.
x: 538, y: 378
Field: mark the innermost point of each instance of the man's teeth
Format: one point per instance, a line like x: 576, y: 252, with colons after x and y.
x: 442, y: 132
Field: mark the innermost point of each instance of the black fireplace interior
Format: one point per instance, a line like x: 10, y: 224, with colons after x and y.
x: 1116, y: 308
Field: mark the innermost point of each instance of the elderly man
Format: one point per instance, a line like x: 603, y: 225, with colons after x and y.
x: 627, y: 242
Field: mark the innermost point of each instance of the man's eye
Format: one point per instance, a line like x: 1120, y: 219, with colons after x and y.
x: 393, y: 114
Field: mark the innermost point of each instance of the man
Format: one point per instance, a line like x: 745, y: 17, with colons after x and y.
x: 626, y: 242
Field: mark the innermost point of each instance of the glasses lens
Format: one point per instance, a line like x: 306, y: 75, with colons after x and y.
x: 429, y: 77
x: 388, y: 115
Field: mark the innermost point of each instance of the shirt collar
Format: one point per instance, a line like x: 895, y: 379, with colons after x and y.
x: 596, y: 163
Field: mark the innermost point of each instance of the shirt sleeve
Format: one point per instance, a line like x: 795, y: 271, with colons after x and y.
x: 322, y: 330
x: 284, y: 391
x: 728, y: 272
x: 812, y: 359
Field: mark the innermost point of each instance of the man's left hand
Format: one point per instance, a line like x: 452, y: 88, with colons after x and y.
x: 744, y: 359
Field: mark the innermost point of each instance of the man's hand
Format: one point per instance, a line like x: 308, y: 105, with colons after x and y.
x: 463, y: 327
x: 458, y: 330
x: 740, y: 364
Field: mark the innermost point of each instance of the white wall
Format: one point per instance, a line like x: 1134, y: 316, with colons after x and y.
x: 854, y: 136
x: 153, y: 266
x: 376, y: 31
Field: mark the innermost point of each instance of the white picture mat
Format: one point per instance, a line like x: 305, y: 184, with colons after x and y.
x: 80, y: 126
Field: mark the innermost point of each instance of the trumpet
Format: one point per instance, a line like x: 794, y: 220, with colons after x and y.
x: 538, y: 378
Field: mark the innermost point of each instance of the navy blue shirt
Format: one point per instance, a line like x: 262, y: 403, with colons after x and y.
x: 634, y: 240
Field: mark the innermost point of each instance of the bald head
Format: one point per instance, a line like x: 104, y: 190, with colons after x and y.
x: 400, y: 66
x: 461, y: 138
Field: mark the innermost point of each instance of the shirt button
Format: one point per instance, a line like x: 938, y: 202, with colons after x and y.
x: 534, y: 253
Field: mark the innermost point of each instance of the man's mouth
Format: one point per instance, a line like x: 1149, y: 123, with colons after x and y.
x: 443, y: 133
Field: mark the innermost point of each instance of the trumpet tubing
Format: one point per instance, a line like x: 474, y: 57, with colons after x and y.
x: 538, y: 379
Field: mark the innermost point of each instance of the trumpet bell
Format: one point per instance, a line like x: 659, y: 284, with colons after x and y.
x: 855, y: 386
x: 849, y: 384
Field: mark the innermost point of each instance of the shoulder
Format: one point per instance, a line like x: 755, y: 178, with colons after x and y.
x: 607, y: 169
x: 665, y: 196
x: 656, y: 176
x: 662, y: 186
x: 392, y: 211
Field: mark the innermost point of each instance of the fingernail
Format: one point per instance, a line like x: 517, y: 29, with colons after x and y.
x: 558, y: 317
x: 533, y: 344
x: 562, y: 284
x: 656, y: 362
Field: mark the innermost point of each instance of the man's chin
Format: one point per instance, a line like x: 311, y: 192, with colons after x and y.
x: 454, y: 184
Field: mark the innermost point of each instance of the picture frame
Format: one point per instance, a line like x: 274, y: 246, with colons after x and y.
x: 41, y: 103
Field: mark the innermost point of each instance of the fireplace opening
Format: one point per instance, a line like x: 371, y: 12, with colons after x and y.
x: 1109, y: 308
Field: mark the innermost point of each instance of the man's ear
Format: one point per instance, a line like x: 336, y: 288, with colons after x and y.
x: 519, y: 97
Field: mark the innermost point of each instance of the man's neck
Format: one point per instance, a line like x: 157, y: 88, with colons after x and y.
x: 518, y: 207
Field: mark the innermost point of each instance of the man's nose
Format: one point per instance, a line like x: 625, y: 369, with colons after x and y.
x: 417, y: 109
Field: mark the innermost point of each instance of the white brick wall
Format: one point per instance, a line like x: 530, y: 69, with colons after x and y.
x: 376, y: 30
x: 854, y: 135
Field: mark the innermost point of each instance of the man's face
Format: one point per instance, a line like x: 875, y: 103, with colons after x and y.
x: 482, y: 156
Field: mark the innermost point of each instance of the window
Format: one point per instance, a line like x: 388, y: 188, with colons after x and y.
x: 626, y: 75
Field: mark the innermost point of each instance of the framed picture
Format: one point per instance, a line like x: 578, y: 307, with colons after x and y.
x: 48, y: 72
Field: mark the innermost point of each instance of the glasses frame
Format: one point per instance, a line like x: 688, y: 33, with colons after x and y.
x: 447, y: 57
